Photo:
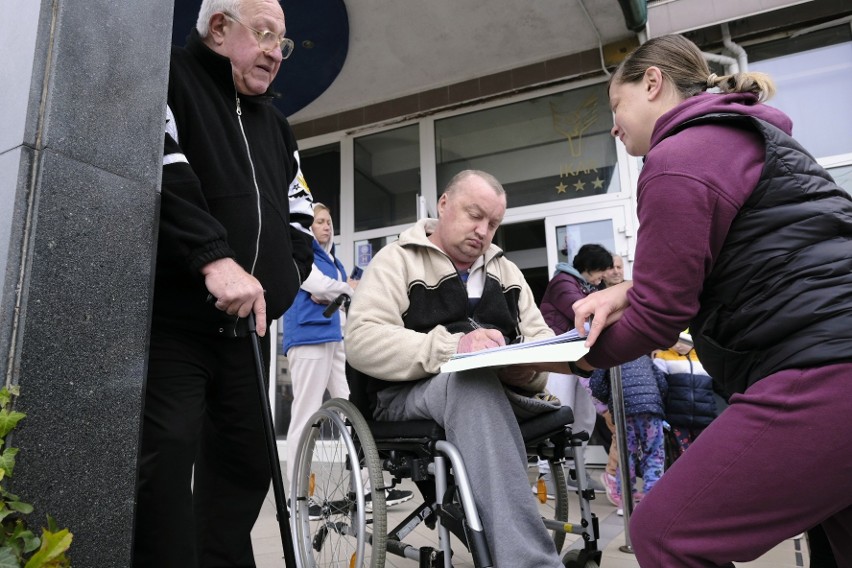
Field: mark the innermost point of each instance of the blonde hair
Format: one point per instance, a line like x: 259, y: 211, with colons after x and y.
x: 317, y: 207
x: 683, y: 64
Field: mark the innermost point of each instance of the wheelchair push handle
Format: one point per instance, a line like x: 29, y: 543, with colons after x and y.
x: 340, y: 301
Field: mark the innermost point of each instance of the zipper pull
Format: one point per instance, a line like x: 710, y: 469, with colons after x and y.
x: 239, y: 110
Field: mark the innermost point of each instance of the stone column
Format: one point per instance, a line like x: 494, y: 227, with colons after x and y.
x: 81, y: 133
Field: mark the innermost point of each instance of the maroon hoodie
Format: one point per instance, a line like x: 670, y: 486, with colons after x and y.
x: 691, y: 187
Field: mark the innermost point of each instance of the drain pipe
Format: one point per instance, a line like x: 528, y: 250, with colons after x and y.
x: 730, y: 64
x: 735, y: 49
x: 736, y: 64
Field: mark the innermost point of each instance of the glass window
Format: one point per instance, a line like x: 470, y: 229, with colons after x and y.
x: 570, y: 238
x: 365, y: 250
x: 387, y: 178
x: 542, y: 150
x: 843, y: 176
x: 321, y: 168
x: 814, y: 89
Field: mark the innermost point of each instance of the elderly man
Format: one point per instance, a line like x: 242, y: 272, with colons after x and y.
x: 234, y: 227
x: 444, y: 288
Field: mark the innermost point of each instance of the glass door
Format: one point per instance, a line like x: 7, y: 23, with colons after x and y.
x: 611, y: 227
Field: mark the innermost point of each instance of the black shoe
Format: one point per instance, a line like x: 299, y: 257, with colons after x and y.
x: 393, y: 497
x: 314, y: 512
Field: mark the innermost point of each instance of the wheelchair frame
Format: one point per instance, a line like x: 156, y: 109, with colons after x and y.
x: 341, y: 455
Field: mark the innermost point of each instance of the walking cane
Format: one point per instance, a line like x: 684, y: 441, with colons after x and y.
x: 623, y: 453
x: 272, y: 450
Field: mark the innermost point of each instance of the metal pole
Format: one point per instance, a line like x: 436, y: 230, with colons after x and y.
x: 623, y: 454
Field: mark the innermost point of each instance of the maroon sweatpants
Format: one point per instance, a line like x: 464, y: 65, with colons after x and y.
x: 777, y: 462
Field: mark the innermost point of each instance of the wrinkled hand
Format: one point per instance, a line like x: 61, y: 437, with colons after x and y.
x: 605, y: 307
x: 517, y: 375
x: 480, y: 339
x: 236, y: 291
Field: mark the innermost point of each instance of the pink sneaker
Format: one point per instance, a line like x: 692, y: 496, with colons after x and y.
x: 611, y: 486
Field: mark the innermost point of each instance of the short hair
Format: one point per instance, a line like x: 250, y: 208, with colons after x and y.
x: 592, y: 257
x: 492, y: 181
x: 683, y: 64
x: 210, y: 7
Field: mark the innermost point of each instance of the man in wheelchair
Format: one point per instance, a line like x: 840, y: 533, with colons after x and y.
x: 441, y: 289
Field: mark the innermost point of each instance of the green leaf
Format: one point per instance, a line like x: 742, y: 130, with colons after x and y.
x: 31, y: 541
x: 8, y: 558
x: 53, y: 547
x: 5, y: 397
x: 7, y: 460
x: 21, y: 507
x: 8, y: 421
x: 51, y: 524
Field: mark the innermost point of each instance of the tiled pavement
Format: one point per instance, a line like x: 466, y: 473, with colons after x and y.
x: 268, y: 550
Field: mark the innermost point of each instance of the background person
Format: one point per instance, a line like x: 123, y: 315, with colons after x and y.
x: 571, y: 282
x: 313, y: 342
x: 644, y: 391
x: 234, y: 225
x: 760, y: 235
x: 609, y: 476
x: 444, y: 288
x: 690, y: 402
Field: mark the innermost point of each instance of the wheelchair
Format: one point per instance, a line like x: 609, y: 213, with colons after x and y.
x: 338, y: 521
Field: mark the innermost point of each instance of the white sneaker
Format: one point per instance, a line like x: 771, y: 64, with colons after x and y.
x: 548, y: 489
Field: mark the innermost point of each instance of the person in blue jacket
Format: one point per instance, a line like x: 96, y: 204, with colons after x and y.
x: 313, y: 342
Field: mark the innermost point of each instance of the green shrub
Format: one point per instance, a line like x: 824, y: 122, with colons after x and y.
x: 19, y: 547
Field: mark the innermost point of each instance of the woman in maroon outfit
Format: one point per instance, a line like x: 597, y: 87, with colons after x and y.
x: 747, y: 241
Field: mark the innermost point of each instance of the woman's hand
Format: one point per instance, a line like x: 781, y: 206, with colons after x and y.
x: 604, y: 308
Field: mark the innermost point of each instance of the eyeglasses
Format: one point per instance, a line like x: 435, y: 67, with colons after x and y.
x: 268, y: 41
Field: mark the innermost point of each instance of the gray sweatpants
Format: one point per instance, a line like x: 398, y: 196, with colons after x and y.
x: 475, y: 413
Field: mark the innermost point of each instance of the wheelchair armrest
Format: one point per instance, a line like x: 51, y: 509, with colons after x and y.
x: 544, y: 425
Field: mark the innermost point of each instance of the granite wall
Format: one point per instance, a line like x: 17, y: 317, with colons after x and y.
x: 83, y: 98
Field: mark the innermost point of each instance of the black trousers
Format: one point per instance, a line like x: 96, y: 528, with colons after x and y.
x: 202, y: 413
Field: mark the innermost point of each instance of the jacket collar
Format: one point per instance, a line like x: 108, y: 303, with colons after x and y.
x: 218, y: 66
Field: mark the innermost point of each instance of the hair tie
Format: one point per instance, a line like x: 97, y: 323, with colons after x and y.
x: 711, y: 80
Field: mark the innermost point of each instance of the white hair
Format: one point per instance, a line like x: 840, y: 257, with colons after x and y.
x: 210, y: 7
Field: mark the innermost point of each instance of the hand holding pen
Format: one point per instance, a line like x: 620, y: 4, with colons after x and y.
x: 480, y: 338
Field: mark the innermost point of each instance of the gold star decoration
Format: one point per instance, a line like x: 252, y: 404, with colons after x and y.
x: 561, y: 188
x: 597, y: 183
x: 580, y: 185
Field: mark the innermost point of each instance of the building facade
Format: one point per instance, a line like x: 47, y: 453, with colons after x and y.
x: 543, y: 130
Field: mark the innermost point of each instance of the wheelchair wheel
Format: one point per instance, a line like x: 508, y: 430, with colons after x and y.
x: 573, y: 559
x: 560, y: 502
x: 334, y: 523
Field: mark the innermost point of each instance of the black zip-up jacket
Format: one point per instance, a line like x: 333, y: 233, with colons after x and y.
x: 232, y: 187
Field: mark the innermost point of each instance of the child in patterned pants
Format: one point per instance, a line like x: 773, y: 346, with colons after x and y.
x: 644, y: 389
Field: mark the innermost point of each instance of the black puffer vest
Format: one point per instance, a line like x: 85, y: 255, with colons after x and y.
x: 780, y: 294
